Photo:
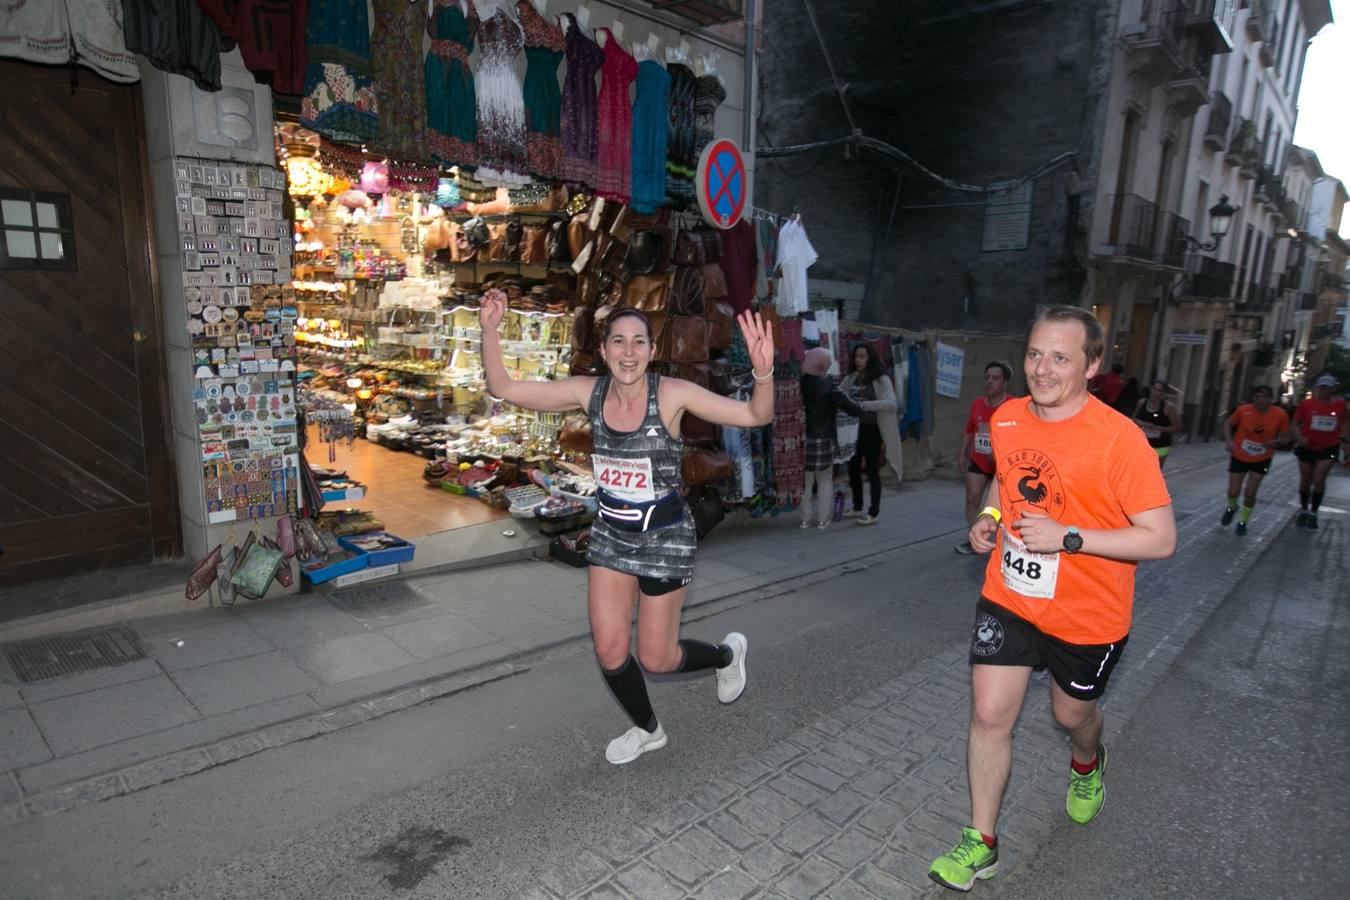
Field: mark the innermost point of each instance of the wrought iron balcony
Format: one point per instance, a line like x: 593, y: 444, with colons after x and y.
x: 1172, y: 240
x: 1155, y: 48
x: 1258, y: 298
x: 1220, y: 121
x: 1211, y: 22
x: 1261, y: 187
x: 1134, y: 226
x: 704, y: 12
x: 1212, y: 280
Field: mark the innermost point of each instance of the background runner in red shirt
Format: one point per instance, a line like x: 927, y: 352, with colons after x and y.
x: 1320, y: 427
x: 974, y: 454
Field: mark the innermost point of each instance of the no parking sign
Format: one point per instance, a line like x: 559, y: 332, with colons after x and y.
x: 721, y: 184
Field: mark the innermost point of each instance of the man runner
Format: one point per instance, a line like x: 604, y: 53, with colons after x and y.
x: 1077, y: 501
x: 975, y: 442
x: 1320, y: 427
x: 1252, y: 432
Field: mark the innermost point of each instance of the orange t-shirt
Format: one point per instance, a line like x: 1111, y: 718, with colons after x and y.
x: 1093, y: 471
x: 1251, y: 429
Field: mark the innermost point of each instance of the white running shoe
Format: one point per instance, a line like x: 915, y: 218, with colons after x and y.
x: 731, y: 677
x: 633, y: 743
x: 867, y: 520
x: 853, y: 513
x: 806, y: 523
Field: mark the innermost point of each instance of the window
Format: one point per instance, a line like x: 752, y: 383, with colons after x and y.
x: 36, y: 230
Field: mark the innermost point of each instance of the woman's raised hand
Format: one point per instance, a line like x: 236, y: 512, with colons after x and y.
x: 758, y: 341
x: 492, y: 311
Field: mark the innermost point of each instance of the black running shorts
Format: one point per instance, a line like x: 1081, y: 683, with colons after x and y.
x: 1003, y: 639
x: 1309, y: 455
x: 655, y: 587
x: 1237, y: 466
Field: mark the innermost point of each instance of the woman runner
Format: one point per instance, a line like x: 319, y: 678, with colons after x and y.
x: 642, y: 541
x: 1158, y: 420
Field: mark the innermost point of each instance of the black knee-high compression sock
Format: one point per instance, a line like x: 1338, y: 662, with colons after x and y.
x: 1303, y: 499
x: 630, y: 689
x: 699, y: 655
x: 1317, y: 499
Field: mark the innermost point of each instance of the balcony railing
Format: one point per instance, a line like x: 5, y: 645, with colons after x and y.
x: 1212, y: 280
x: 1258, y: 297
x: 1134, y: 226
x: 1211, y: 21
x: 1220, y: 120
x: 1155, y: 47
x: 1172, y: 240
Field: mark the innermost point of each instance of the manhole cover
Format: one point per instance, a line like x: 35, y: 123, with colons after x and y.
x: 373, y: 601
x: 81, y: 651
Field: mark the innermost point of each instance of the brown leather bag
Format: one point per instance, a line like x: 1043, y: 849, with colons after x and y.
x: 687, y: 339
x: 577, y: 234
x: 583, y: 329
x: 583, y: 364
x: 688, y: 249
x: 686, y: 295
x: 496, y: 248
x: 576, y: 435
x: 461, y: 248
x: 712, y: 244
x: 534, y: 244
x: 648, y: 293
x: 714, y: 282
x: 698, y: 432
x: 721, y: 325
x: 705, y: 465
x: 695, y: 372
x: 718, y: 374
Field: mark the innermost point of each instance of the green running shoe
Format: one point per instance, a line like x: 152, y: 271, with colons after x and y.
x: 1086, y: 792
x: 960, y: 866
x: 1227, y: 517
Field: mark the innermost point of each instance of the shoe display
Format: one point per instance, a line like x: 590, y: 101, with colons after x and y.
x: 1241, y: 528
x: 970, y: 859
x: 965, y: 549
x: 1227, y: 517
x: 867, y: 520
x: 633, y: 743
x: 1086, y: 792
x: 731, y: 677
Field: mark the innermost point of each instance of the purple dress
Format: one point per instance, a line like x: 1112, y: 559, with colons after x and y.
x: 580, y: 108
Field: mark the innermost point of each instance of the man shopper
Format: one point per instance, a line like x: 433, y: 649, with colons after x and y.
x: 1252, y: 432
x: 1320, y: 426
x: 974, y: 452
x: 1078, y: 500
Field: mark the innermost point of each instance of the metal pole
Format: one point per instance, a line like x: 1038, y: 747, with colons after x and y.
x: 750, y: 76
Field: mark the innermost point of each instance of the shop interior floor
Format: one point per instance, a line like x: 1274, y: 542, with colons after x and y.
x: 395, y: 491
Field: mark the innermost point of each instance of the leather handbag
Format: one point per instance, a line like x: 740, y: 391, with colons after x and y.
x: 660, y: 322
x: 714, y: 281
x: 461, y: 248
x: 704, y: 465
x: 575, y: 435
x: 476, y: 231
x: 721, y: 325
x: 583, y: 364
x: 558, y: 250
x: 686, y: 296
x: 712, y: 245
x: 706, y: 507
x: 496, y: 248
x: 688, y: 249
x: 534, y: 245
x: 577, y: 235
x: 643, y: 256
x: 697, y: 432
x: 583, y: 329
x: 687, y: 339
x: 717, y: 372
x: 648, y: 293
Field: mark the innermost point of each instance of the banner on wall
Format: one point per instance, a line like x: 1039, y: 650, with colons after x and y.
x: 950, y: 361
x: 721, y: 184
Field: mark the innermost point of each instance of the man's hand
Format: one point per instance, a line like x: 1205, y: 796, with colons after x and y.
x: 982, y: 534
x: 1041, y: 534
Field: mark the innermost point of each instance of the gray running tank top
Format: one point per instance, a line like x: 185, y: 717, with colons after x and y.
x: 666, y: 552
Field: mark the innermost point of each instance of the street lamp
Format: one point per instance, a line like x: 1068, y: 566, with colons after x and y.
x: 1220, y: 218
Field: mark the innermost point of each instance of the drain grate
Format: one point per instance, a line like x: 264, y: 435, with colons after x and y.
x: 375, y: 600
x: 96, y: 648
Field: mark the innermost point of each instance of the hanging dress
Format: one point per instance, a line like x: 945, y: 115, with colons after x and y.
x: 651, y: 131
x: 339, y: 101
x: 400, y: 85
x: 543, y: 98
x: 502, y: 158
x: 452, y: 117
x: 708, y: 95
x: 580, y: 107
x: 681, y: 159
x: 614, y: 174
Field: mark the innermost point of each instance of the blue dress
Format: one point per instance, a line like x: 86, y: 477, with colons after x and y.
x: 651, y: 132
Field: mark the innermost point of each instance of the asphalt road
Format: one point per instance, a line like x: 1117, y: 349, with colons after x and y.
x: 1227, y: 780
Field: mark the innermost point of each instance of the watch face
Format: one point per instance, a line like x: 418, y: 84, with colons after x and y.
x: 1073, y: 542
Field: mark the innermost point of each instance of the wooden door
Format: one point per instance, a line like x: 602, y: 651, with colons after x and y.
x: 86, y: 473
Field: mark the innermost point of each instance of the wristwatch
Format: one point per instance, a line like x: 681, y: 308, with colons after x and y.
x: 1073, y: 541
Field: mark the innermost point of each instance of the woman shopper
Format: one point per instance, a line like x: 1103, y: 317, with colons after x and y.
x: 822, y: 400
x: 1158, y: 420
x: 642, y: 543
x: 868, y: 386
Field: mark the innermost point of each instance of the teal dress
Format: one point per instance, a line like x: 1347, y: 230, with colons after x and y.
x: 651, y: 133
x: 339, y: 100
x: 544, y: 46
x: 452, y: 113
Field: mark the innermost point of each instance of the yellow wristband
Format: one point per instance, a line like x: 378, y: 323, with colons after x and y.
x: 992, y: 513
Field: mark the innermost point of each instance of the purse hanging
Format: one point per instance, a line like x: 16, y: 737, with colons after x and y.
x: 705, y: 465
x: 534, y: 245
x: 648, y: 293
x: 687, y: 337
x: 687, y: 297
x: 714, y: 281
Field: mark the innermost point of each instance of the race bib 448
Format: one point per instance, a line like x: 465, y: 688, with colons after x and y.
x: 1027, y: 573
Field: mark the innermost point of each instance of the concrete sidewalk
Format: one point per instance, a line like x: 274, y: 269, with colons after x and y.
x: 222, y: 684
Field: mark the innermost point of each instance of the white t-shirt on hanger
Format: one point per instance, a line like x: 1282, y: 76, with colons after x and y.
x: 795, y: 256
